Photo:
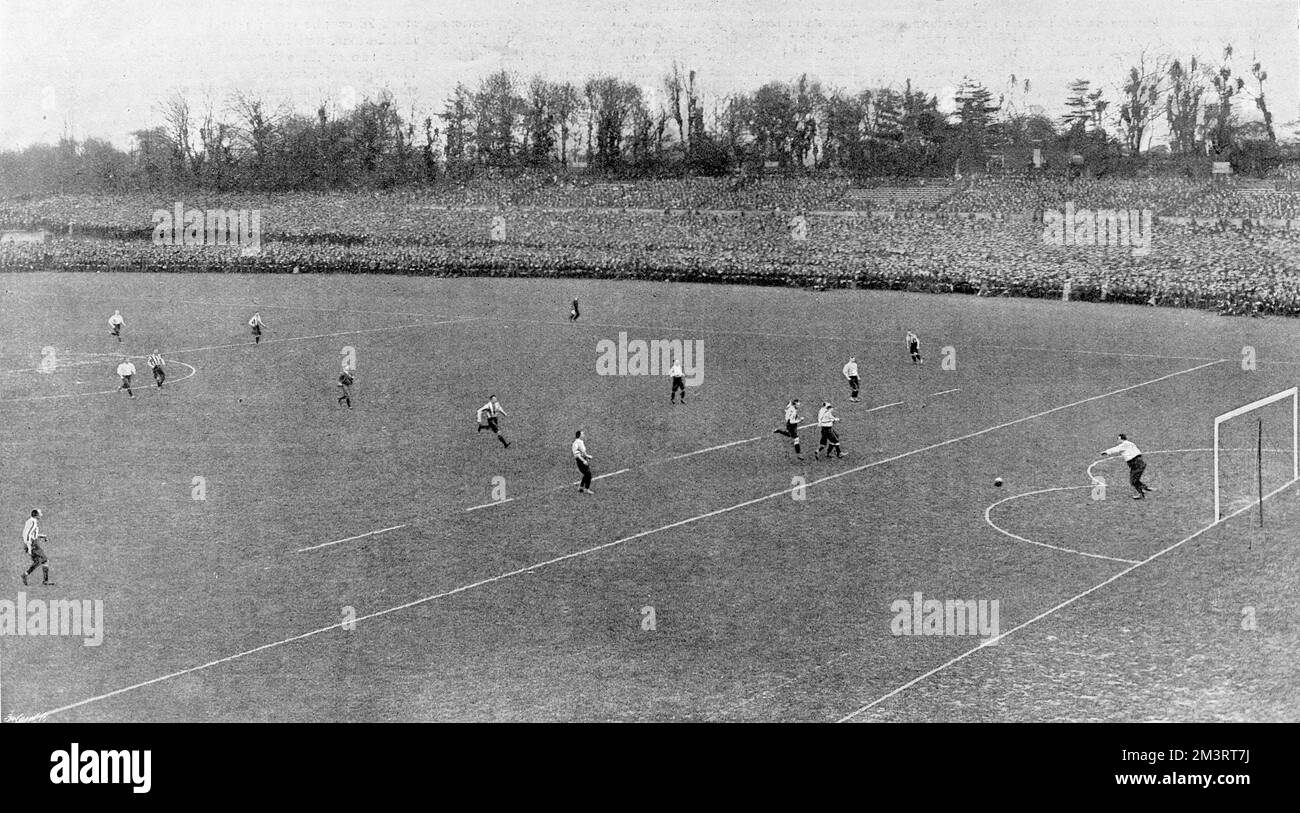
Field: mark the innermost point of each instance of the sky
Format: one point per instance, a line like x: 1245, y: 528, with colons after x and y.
x: 101, y: 68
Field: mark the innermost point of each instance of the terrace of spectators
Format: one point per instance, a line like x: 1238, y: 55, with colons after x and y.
x: 707, y: 230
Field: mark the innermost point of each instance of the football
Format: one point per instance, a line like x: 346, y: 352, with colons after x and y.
x: 998, y: 482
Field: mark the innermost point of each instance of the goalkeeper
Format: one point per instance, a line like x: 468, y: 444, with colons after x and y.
x: 1132, y: 455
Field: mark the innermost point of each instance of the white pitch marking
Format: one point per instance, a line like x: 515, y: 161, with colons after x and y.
x: 1062, y: 605
x: 587, y: 551
x: 1093, y: 464
x: 477, y: 507
x: 710, y: 449
x: 643, y: 465
x: 1001, y: 530
x: 241, y: 344
x: 324, y: 335
x: 945, y: 392
x: 353, y: 538
x: 886, y: 406
x: 143, y: 387
x: 545, y: 491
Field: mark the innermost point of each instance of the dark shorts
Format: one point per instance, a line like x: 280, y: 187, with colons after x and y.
x: 126, y: 382
x: 791, y: 429
x: 853, y: 381
x: 492, y: 424
x: 829, y: 436
x: 257, y: 330
x: 38, y: 555
x: 159, y: 373
x: 679, y: 383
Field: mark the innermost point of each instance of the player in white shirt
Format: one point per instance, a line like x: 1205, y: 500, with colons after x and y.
x: 492, y: 409
x: 679, y: 382
x: 851, y: 375
x: 791, y: 429
x: 1132, y: 455
x: 914, y: 347
x: 256, y: 324
x: 830, y: 439
x: 115, y: 322
x: 583, y: 460
x: 126, y: 369
x: 32, y: 538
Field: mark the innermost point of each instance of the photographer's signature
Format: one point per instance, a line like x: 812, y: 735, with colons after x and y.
x: 26, y: 718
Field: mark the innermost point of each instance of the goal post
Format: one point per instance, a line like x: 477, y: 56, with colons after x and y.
x: 1219, y: 420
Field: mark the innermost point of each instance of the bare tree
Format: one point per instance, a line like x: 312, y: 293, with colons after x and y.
x: 1260, y: 75
x: 175, y: 111
x: 1142, y: 92
x: 1183, y: 104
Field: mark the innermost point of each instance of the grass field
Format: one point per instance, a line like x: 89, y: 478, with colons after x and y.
x: 765, y: 606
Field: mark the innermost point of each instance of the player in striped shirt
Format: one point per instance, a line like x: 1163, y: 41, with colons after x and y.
x: 126, y: 369
x: 830, y: 439
x: 792, y: 425
x: 583, y: 460
x: 573, y: 312
x: 492, y: 409
x: 851, y: 375
x: 32, y: 538
x: 256, y: 324
x: 155, y: 362
x: 115, y: 322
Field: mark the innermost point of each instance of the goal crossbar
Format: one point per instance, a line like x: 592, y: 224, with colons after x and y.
x: 1294, y: 395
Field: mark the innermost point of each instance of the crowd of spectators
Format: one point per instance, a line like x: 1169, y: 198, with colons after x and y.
x: 1223, y: 198
x: 401, y: 213
x: 1226, y: 269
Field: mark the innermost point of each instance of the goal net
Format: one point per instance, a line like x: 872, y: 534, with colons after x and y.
x: 1256, y: 453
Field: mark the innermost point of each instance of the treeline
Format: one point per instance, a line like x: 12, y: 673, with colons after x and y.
x: 613, y: 127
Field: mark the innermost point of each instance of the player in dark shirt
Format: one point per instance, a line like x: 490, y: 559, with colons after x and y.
x: 345, y: 383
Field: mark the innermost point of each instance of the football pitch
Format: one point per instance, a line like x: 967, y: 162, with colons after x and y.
x: 265, y: 554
